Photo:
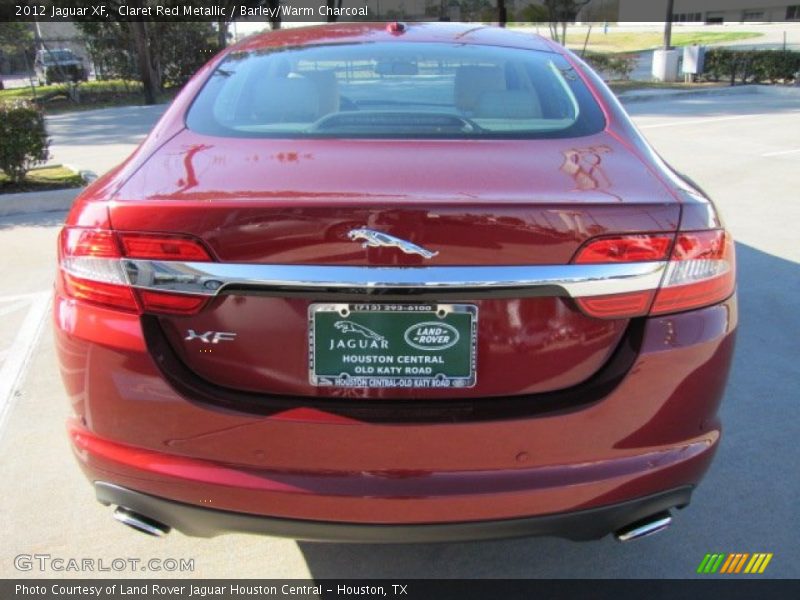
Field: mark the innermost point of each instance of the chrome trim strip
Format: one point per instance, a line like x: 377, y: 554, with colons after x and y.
x: 209, y: 278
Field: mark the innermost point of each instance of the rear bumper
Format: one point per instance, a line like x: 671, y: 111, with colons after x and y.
x: 576, y: 501
x: 312, y: 474
x: 581, y: 525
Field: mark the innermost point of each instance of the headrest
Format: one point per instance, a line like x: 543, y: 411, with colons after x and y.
x: 471, y: 82
x: 282, y: 100
x: 508, y: 104
x: 328, y: 89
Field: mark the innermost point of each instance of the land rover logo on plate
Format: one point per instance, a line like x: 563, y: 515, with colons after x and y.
x: 392, y: 345
x: 431, y: 336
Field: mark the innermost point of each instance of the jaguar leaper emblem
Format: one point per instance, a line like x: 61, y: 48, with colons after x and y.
x: 350, y: 327
x: 378, y: 239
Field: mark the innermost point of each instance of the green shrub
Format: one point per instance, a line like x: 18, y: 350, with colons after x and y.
x: 618, y: 66
x: 751, y: 66
x: 719, y: 64
x: 774, y: 66
x: 23, y: 138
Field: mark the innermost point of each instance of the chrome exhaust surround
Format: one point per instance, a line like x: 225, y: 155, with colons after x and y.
x: 648, y: 526
x: 140, y: 523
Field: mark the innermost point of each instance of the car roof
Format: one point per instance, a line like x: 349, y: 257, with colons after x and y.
x: 337, y: 33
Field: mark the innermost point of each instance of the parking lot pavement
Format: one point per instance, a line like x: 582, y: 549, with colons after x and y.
x: 97, y: 140
x: 27, y: 248
x: 744, y: 151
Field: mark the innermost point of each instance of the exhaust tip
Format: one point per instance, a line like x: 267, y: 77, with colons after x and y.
x: 644, y: 527
x: 140, y: 523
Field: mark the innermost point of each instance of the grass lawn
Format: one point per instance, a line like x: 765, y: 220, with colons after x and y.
x: 93, y: 94
x: 625, y: 41
x: 44, y: 178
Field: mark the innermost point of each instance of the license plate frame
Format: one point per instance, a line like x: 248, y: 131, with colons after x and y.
x: 423, y: 345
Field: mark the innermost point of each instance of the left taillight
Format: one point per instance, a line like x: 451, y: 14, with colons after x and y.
x: 92, y: 270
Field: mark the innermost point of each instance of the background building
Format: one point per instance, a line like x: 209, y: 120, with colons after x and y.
x: 712, y: 11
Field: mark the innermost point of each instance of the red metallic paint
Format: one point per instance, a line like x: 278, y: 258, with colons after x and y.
x: 292, y: 201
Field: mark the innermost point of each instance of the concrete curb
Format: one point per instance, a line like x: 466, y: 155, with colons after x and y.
x: 771, y: 90
x: 36, y: 202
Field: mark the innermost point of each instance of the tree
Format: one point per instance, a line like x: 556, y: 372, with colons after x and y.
x: 477, y: 10
x: 142, y: 41
x: 111, y: 49
x: 14, y: 35
x: 158, y: 53
x: 563, y: 12
x: 16, y: 43
x: 231, y: 6
x: 138, y: 32
x: 502, y: 14
x: 534, y: 13
x: 174, y: 50
x: 182, y: 48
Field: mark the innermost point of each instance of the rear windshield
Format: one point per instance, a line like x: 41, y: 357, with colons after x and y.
x: 383, y: 90
x: 54, y: 56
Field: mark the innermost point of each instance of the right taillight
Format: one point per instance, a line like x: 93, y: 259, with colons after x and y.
x: 92, y: 270
x: 701, y: 272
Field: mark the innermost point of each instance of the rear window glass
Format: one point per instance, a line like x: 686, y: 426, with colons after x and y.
x: 384, y: 90
x: 54, y: 56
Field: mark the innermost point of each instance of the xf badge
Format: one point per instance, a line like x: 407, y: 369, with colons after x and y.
x: 210, y: 337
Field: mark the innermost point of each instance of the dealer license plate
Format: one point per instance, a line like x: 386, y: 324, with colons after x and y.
x: 393, y: 345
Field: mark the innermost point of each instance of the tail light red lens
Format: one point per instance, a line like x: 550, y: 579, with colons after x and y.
x: 92, y: 269
x: 701, y: 271
x: 97, y: 292
x: 146, y: 246
x: 625, y: 248
x: 615, y: 306
x: 173, y: 304
x: 89, y: 242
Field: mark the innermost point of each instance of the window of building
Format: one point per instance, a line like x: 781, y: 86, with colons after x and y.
x: 753, y: 15
x: 687, y: 17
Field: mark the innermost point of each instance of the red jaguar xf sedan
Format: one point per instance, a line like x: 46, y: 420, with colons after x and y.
x: 405, y: 282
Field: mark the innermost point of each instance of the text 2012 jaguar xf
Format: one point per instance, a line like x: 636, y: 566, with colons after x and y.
x: 372, y: 282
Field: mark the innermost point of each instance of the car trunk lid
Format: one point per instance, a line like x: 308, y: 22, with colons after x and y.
x: 467, y: 203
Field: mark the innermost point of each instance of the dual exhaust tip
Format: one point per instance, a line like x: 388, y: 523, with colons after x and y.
x: 140, y: 523
x: 637, y: 530
x: 644, y: 527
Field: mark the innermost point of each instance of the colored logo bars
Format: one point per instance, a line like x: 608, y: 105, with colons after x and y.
x: 734, y: 563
